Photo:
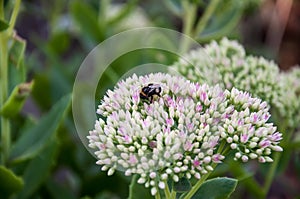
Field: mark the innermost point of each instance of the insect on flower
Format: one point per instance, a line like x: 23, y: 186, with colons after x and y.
x: 150, y: 91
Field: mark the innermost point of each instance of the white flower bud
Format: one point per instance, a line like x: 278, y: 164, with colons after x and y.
x: 233, y: 146
x: 153, y: 191
x: 161, y: 185
x: 141, y: 180
x: 110, y: 171
x: 175, y: 178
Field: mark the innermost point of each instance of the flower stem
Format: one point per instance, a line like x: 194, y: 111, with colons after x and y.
x: 250, y: 183
x: 206, y: 16
x: 14, y: 16
x: 5, y: 127
x: 173, y: 194
x: 198, y: 184
x: 188, y: 22
x: 157, y: 195
x: 223, y: 149
x: 271, y: 174
x: 4, y: 37
x: 167, y: 190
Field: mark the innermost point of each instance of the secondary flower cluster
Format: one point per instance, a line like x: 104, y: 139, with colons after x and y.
x: 180, y: 133
x: 230, y: 67
x: 290, y: 81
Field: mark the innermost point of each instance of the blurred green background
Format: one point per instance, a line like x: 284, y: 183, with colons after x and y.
x: 60, y: 33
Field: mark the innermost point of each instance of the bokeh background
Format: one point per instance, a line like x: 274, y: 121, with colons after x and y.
x: 60, y: 33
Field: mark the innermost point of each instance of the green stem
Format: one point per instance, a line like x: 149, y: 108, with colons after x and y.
x: 188, y: 23
x: 103, y: 7
x: 271, y: 174
x: 198, y: 184
x: 167, y: 190
x: 129, y: 6
x: 206, y: 16
x: 4, y: 37
x: 223, y: 149
x: 14, y: 16
x: 1, y: 9
x: 173, y: 194
x: 5, y: 128
x: 157, y: 195
x: 249, y: 182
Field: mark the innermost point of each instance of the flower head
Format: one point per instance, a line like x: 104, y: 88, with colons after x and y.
x: 177, y: 134
x: 232, y: 68
x: 290, y: 81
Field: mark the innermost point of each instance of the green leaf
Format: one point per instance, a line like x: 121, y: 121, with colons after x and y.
x: 58, y: 192
x: 175, y: 6
x: 59, y: 43
x: 33, y: 140
x: 125, y: 10
x: 216, y: 188
x: 42, y: 90
x: 183, y: 185
x: 86, y: 18
x: 17, y: 50
x: 3, y: 25
x: 38, y: 169
x: 17, y: 69
x: 138, y: 191
x: 13, y: 183
x: 225, y: 19
x: 16, y: 100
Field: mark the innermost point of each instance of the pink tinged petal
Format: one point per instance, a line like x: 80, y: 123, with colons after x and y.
x: 196, y: 163
x: 266, y: 116
x: 167, y: 129
x: 187, y: 146
x: 121, y: 131
x: 175, y: 88
x: 203, y: 96
x: 145, y: 124
x: 217, y: 158
x: 263, y: 105
x: 190, y: 127
x: 127, y: 139
x: 102, y: 146
x: 170, y: 102
x: 264, y: 143
x: 254, y: 118
x: 192, y: 91
x: 261, y: 159
x: 276, y: 137
x: 213, y: 142
x: 277, y: 148
x: 199, y: 108
x: 178, y: 156
x: 132, y: 159
x: 135, y: 97
x: 240, y: 122
x: 245, y: 158
x: 170, y: 122
x: 149, y: 108
x: 244, y: 137
x: 114, y: 116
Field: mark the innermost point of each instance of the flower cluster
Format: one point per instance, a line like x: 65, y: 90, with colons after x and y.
x: 180, y: 132
x: 231, y: 67
x: 290, y: 81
